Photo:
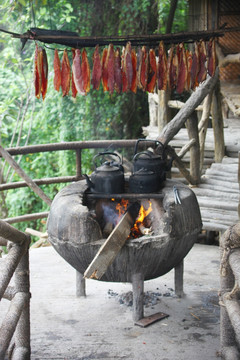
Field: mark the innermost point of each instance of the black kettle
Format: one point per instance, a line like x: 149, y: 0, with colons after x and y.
x: 144, y: 181
x: 156, y: 163
x: 109, y: 177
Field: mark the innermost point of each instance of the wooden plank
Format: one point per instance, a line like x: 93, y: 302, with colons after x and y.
x: 148, y: 320
x: 113, y: 244
x: 215, y: 194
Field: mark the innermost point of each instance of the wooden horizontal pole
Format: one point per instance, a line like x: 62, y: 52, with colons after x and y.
x: 10, y: 233
x: 27, y: 217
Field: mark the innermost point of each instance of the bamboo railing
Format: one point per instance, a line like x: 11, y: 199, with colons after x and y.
x: 15, y: 327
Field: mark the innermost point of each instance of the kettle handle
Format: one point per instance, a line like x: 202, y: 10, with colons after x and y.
x: 140, y: 153
x: 138, y: 141
x: 106, y: 153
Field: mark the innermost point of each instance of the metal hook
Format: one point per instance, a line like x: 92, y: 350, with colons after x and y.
x: 176, y: 195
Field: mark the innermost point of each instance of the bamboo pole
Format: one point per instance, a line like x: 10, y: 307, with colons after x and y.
x: 24, y: 176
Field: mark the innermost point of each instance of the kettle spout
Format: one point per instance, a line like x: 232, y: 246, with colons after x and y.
x: 89, y: 182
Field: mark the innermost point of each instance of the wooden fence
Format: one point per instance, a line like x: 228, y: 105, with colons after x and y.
x: 15, y: 328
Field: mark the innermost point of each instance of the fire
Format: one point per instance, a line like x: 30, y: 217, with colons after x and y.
x: 121, y: 207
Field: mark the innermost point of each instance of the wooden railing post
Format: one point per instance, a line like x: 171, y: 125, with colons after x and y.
x: 79, y: 163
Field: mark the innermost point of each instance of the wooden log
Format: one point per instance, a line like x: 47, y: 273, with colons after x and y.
x: 195, y: 99
x: 217, y: 123
x: 230, y: 353
x: 178, y: 279
x: 218, y: 181
x: 10, y: 321
x: 177, y: 104
x: 233, y: 309
x: 10, y: 233
x: 202, y: 127
x: 80, y: 284
x: 186, y: 148
x: 214, y: 194
x: 163, y: 111
x: 138, y: 294
x: 24, y: 176
x: 8, y: 266
x: 192, y: 127
x: 180, y: 165
x: 109, y: 250
x: 22, y: 333
x: 27, y: 217
x: 218, y: 204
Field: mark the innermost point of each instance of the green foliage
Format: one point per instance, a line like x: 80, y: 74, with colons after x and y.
x: 27, y: 120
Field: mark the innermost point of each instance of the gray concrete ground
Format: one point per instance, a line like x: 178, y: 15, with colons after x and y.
x: 100, y: 326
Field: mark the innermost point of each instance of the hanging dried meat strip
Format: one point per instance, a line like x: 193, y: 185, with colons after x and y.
x: 44, y: 72
x: 195, y: 67
x: 162, y: 67
x: 77, y: 72
x: 134, y: 68
x: 104, y: 70
x: 109, y: 65
x: 85, y: 69
x: 152, y: 71
x: 143, y: 68
x: 189, y: 67
x: 117, y: 71
x: 202, y: 74
x: 57, y: 71
x: 65, y: 74
x: 212, y: 58
x: 74, y: 89
x: 172, y: 68
x: 182, y: 69
x: 127, y: 69
x: 37, y: 73
x: 97, y: 69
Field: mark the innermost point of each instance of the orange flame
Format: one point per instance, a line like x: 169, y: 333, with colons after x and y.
x: 143, y: 213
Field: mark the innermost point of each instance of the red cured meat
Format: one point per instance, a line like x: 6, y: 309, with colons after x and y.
x: 109, y: 64
x: 77, y: 72
x: 104, y: 71
x: 65, y: 74
x: 162, y: 67
x: 152, y: 71
x: 85, y: 70
x: 97, y: 69
x: 74, y: 89
x: 57, y: 71
x: 182, y: 69
x: 117, y: 71
x: 134, y: 67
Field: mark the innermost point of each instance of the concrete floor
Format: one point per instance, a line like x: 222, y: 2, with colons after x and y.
x: 100, y: 327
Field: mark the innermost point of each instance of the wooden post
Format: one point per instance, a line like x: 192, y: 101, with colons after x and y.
x: 178, y: 279
x: 163, y: 111
x: 217, y: 123
x: 202, y: 127
x: 138, y: 293
x: 80, y: 284
x: 79, y: 163
x: 192, y: 127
